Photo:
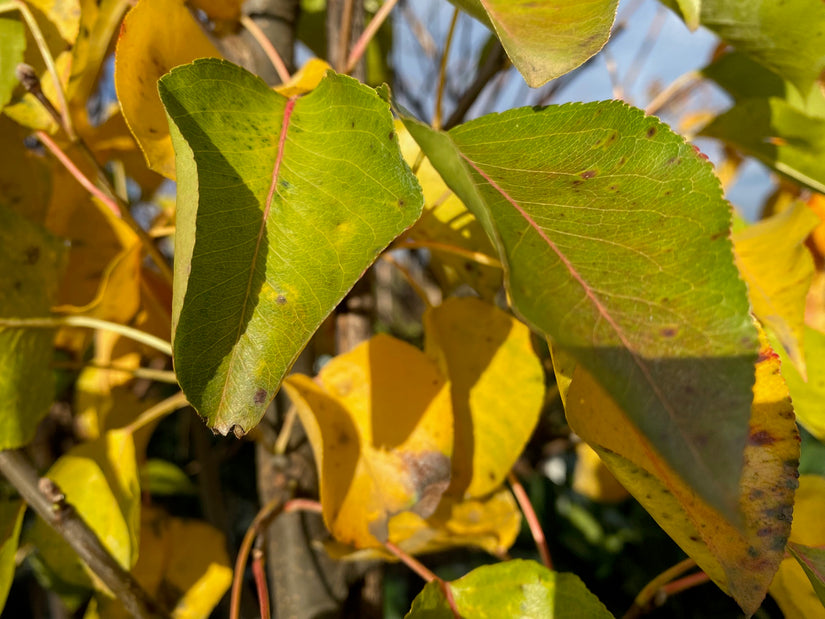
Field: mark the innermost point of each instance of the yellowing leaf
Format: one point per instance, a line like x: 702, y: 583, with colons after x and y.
x: 25, y: 183
x: 496, y: 384
x: 808, y: 396
x: 156, y: 36
x: 817, y: 205
x: 64, y: 15
x: 491, y: 523
x: 11, y: 520
x: 739, y: 557
x: 592, y: 478
x: 791, y: 588
x: 778, y: 268
x: 447, y: 221
x: 306, y: 79
x: 101, y: 277
x: 183, y: 564
x: 220, y: 9
x: 105, y: 493
x: 381, y: 427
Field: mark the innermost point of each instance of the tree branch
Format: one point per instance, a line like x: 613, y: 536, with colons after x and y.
x: 45, y: 498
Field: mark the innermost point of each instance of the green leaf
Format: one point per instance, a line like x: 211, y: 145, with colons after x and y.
x: 282, y: 206
x: 778, y: 134
x: 809, y: 395
x: 546, y: 39
x: 11, y: 520
x: 30, y: 261
x: 163, y: 478
x: 787, y: 36
x: 517, y: 589
x: 614, y: 237
x: 12, y: 46
x: 812, y: 561
x: 744, y: 78
x: 691, y: 10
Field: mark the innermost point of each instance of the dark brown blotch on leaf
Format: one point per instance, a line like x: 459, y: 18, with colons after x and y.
x: 588, y: 174
x: 32, y: 254
x: 260, y: 396
x: 429, y: 472
x: 280, y: 299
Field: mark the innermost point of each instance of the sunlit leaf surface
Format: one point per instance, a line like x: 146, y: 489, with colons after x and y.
x: 282, y: 206
x: 614, y: 238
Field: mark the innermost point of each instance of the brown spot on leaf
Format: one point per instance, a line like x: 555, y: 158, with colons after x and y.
x: 260, y: 396
x: 429, y: 472
x: 669, y: 331
x: 762, y: 437
x: 32, y: 254
x: 650, y: 132
x: 391, y: 135
x: 238, y: 431
x: 587, y: 174
x: 280, y: 299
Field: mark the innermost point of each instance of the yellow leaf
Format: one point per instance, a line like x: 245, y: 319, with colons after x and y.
x: 381, y: 427
x: 778, y: 268
x: 817, y: 204
x: 564, y: 366
x: 791, y: 588
x: 446, y: 221
x: 101, y: 278
x: 156, y: 36
x: 496, y: 385
x: 592, y: 478
x: 306, y: 79
x: 229, y: 10
x: 183, y: 564
x: 739, y: 557
x: 64, y: 15
x: 491, y: 523
x: 100, y: 481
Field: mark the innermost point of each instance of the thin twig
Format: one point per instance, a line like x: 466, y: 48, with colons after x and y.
x: 442, y: 72
x: 159, y: 410
x: 419, y: 568
x: 89, y: 322
x: 259, y: 573
x: 496, y: 61
x: 160, y: 376
x: 646, y: 595
x: 671, y: 90
x: 269, y: 49
x: 405, y: 272
x: 532, y: 520
x: 411, y: 562
x: 81, y: 178
x: 282, y: 441
x: 419, y: 31
x: 31, y: 22
x: 369, y: 32
x: 262, y: 518
x: 685, y: 583
x: 117, y: 206
x: 344, y: 35
x: 45, y: 498
x: 475, y: 256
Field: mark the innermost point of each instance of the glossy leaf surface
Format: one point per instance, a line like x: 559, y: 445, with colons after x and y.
x: 380, y: 423
x: 496, y: 384
x: 282, y: 206
x: 30, y: 261
x: 741, y: 556
x: 546, y: 39
x: 515, y: 588
x: 614, y: 238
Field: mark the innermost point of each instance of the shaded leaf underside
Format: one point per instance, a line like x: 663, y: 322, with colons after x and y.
x: 614, y: 238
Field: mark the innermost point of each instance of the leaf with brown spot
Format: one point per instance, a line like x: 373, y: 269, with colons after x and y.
x: 496, y: 384
x: 381, y: 426
x: 740, y: 557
